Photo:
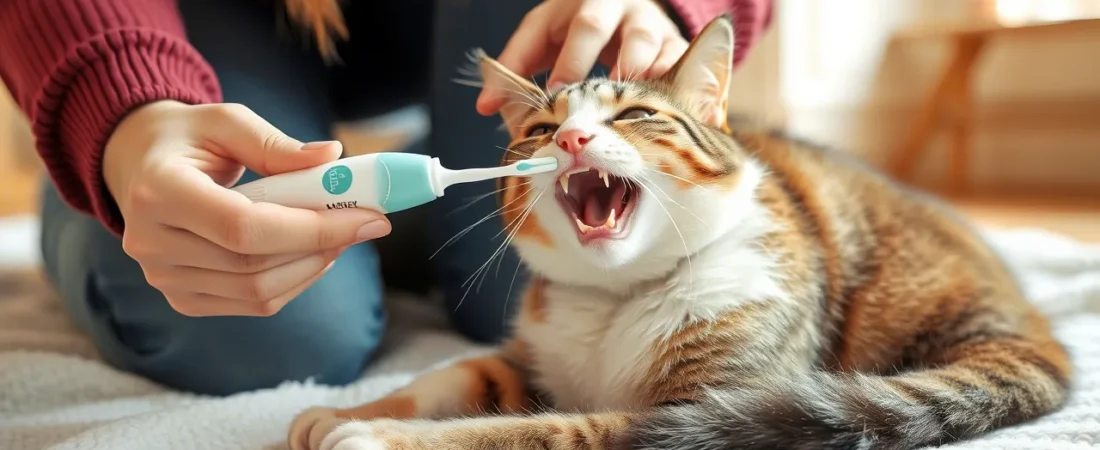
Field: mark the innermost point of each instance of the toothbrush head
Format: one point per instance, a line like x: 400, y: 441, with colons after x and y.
x: 536, y: 165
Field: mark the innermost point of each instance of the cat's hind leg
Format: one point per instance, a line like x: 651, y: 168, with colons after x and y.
x: 470, y: 387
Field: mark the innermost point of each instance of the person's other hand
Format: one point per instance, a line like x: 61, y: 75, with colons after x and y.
x: 210, y: 250
x: 633, y: 37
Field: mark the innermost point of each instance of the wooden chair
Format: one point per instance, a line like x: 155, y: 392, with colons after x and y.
x: 950, y: 104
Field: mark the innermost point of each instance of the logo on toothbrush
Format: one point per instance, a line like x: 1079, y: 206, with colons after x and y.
x: 337, y: 180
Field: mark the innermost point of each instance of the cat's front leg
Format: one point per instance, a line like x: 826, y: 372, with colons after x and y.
x: 538, y: 432
x: 470, y: 387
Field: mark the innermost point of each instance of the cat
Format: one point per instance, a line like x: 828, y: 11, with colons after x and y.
x: 701, y: 287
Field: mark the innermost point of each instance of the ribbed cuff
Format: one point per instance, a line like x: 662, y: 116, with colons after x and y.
x: 750, y: 18
x: 95, y: 86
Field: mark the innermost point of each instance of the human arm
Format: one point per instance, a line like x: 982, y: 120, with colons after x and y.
x: 751, y: 18
x: 77, y: 67
x: 128, y: 120
x: 635, y: 38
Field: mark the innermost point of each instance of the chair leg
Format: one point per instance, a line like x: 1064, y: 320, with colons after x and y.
x: 963, y: 117
x: 958, y: 71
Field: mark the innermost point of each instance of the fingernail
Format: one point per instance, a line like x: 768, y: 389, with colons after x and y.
x: 316, y: 145
x: 556, y: 86
x: 373, y: 230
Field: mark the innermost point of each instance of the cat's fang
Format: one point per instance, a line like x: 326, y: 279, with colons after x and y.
x: 581, y: 226
x: 606, y: 181
x: 610, y: 224
x: 563, y: 180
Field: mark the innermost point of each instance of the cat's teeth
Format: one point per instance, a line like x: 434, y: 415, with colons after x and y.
x: 610, y: 224
x: 581, y: 226
x: 606, y: 182
x: 564, y: 181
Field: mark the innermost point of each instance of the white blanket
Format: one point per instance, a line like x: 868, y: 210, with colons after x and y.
x: 55, y: 394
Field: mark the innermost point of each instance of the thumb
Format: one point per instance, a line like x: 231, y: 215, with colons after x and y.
x: 245, y: 137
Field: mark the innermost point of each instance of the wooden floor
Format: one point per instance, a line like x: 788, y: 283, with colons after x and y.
x: 1075, y: 217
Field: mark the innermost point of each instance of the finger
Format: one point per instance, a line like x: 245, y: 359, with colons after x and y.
x: 611, y: 52
x: 202, y: 305
x: 670, y: 54
x: 641, y: 43
x: 240, y: 134
x: 227, y: 218
x: 198, y: 305
x: 526, y: 53
x: 174, y: 247
x: 257, y: 287
x: 589, y: 32
x: 277, y: 304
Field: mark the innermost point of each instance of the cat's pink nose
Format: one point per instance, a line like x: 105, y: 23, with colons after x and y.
x: 573, y: 140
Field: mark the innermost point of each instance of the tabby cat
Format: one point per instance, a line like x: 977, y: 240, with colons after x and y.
x: 702, y: 288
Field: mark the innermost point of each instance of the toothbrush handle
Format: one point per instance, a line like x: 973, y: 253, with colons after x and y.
x: 384, y: 182
x: 336, y: 185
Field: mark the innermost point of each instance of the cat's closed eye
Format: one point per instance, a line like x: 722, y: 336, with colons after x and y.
x: 635, y: 113
x: 539, y: 130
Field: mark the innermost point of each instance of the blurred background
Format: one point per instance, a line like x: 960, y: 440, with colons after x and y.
x: 993, y: 104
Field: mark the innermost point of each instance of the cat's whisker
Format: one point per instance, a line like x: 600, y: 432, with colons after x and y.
x: 681, y: 179
x: 484, y: 196
x: 481, y: 269
x: 669, y: 198
x: 523, y: 92
x: 518, y: 226
x: 525, y: 155
x: 687, y: 252
x: 508, y: 296
x: 619, y: 65
x: 470, y: 83
x: 466, y: 230
x: 545, y: 95
x: 529, y: 105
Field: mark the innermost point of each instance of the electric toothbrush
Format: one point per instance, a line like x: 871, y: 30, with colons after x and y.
x: 384, y: 182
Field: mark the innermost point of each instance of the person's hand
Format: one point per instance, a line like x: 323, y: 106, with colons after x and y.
x: 210, y: 250
x: 633, y: 37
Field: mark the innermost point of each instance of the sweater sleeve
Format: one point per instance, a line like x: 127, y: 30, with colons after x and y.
x: 76, y: 67
x: 751, y: 18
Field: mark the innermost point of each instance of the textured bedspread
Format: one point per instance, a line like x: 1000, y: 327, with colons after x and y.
x: 56, y: 394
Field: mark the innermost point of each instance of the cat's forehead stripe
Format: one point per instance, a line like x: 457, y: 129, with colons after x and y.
x: 592, y: 94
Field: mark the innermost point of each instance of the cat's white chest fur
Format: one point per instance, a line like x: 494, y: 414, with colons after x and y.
x: 590, y: 352
x: 593, y: 351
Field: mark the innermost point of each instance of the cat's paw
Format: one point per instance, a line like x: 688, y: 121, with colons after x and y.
x: 310, y: 427
x: 374, y: 435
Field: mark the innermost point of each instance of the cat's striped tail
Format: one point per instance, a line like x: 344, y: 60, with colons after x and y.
x: 992, y: 384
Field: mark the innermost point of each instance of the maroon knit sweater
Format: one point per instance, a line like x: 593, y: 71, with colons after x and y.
x: 76, y: 67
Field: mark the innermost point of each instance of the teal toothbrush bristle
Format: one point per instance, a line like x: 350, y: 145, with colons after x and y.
x: 546, y: 164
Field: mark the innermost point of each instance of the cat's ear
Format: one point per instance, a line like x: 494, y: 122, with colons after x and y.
x: 700, y: 80
x: 520, y: 95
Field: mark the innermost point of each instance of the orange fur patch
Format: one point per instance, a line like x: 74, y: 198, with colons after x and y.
x: 533, y: 230
x: 496, y: 382
x: 534, y: 303
x: 514, y: 200
x: 395, y: 407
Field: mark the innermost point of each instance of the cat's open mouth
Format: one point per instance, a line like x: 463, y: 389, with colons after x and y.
x: 599, y: 203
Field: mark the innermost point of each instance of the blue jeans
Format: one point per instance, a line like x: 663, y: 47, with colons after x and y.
x: 332, y: 329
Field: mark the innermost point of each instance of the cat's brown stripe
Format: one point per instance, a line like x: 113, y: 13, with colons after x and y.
x: 534, y: 304
x: 800, y: 189
x: 819, y: 306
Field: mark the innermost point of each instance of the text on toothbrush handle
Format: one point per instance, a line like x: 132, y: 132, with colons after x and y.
x: 341, y: 205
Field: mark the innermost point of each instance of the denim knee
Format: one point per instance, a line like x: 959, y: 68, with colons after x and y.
x: 328, y: 333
